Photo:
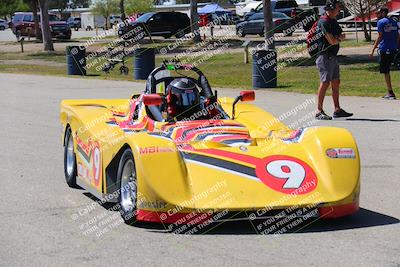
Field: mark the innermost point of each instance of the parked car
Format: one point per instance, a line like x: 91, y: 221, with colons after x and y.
x: 164, y: 24
x: 242, y: 8
x: 74, y: 22
x: 255, y: 24
x: 115, y: 19
x: 23, y: 25
x: 291, y: 9
x: 3, y: 24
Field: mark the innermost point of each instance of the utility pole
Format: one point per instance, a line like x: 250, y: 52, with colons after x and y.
x: 194, y: 21
x: 268, y: 25
x: 265, y: 62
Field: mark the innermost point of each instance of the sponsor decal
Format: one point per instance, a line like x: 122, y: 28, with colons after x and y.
x: 91, y: 156
x: 151, y: 204
x: 83, y: 172
x: 155, y: 149
x: 341, y: 153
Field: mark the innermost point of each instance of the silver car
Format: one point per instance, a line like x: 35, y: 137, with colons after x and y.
x: 3, y: 24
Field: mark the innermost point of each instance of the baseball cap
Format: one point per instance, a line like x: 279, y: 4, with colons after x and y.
x: 384, y: 9
x: 331, y: 5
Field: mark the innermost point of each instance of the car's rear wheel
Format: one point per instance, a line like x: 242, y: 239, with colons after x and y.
x: 69, y: 159
x: 128, y: 187
x: 2, y: 28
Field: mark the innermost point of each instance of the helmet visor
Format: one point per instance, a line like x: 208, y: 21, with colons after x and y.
x: 188, y: 98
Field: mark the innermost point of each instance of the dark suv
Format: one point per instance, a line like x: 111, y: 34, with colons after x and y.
x: 164, y: 24
x: 291, y: 9
x: 22, y: 24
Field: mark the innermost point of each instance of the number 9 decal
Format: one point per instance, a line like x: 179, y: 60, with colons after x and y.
x: 96, y: 164
x: 287, y: 175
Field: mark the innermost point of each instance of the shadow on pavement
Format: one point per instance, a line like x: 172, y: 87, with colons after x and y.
x: 372, y: 120
x: 363, y: 219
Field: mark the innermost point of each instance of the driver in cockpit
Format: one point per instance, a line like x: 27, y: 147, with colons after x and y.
x: 183, y: 99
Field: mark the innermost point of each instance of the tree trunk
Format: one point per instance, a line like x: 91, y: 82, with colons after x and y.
x: 194, y: 21
x: 364, y: 23
x: 34, y: 6
x: 268, y: 25
x: 369, y: 22
x: 44, y: 22
x: 122, y: 9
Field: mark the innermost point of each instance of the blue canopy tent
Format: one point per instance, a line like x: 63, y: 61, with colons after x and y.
x: 212, y: 12
x: 212, y: 9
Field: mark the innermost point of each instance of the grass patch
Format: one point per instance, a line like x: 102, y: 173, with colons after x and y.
x: 229, y: 71
x: 354, y: 43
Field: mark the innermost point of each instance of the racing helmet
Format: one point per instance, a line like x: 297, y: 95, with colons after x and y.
x: 182, y: 96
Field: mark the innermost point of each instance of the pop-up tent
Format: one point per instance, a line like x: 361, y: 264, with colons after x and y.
x: 212, y: 9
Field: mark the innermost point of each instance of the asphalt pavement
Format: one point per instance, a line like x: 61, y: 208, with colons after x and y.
x: 45, y: 223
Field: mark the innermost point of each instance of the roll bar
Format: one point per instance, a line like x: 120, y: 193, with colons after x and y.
x: 176, y: 65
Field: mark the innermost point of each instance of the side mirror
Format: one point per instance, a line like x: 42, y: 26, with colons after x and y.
x: 152, y: 100
x: 245, y: 96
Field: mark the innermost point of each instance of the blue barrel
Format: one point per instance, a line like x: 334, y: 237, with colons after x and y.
x: 265, y: 69
x: 144, y: 63
x: 76, y: 60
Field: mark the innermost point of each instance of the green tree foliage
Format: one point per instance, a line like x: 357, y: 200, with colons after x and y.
x: 105, y: 8
x: 138, y: 6
x: 80, y: 3
x: 58, y: 4
x: 8, y: 7
x: 363, y: 9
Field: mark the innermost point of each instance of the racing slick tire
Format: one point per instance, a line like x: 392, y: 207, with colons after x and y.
x: 69, y: 159
x: 126, y: 177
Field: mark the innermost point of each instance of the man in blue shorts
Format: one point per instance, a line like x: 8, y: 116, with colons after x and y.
x: 387, y: 43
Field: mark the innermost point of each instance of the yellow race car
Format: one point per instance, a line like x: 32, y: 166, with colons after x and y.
x: 177, y: 153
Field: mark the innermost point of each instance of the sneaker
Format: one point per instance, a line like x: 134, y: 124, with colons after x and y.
x: 322, y: 116
x: 342, y: 114
x: 389, y: 97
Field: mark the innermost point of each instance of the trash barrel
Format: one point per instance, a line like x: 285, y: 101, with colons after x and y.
x: 144, y: 63
x: 76, y: 60
x: 265, y: 69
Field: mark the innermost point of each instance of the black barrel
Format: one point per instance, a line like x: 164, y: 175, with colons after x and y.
x: 144, y: 63
x: 265, y: 69
x: 76, y: 60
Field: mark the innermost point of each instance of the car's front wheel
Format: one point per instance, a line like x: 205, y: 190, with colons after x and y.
x: 2, y: 28
x: 69, y: 159
x: 128, y: 187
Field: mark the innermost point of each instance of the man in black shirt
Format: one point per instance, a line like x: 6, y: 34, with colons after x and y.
x: 327, y: 61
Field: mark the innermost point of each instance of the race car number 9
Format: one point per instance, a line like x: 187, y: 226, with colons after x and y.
x: 96, y: 165
x: 293, y: 173
x: 287, y: 175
